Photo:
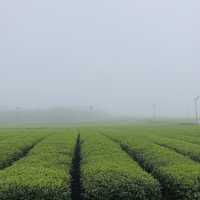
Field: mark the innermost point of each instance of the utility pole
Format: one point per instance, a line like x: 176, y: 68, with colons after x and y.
x: 196, y: 99
x: 154, y: 111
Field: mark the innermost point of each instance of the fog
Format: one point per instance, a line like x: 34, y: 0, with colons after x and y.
x: 119, y: 56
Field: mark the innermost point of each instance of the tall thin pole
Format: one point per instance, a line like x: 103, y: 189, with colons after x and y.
x: 154, y: 111
x: 196, y: 109
x: 17, y: 114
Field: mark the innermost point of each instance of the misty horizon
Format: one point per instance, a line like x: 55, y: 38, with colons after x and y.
x: 119, y: 57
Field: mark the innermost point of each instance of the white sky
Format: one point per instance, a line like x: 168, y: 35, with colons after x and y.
x: 120, y: 56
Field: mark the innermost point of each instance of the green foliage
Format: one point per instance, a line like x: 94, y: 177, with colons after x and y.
x: 109, y: 173
x: 180, y: 146
x: 16, y: 146
x: 179, y: 176
x: 36, y: 163
x: 44, y: 173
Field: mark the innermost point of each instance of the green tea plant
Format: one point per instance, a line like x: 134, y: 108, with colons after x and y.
x: 109, y: 173
x: 178, y: 175
x: 44, y: 173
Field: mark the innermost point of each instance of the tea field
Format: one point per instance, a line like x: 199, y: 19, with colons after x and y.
x: 146, y: 161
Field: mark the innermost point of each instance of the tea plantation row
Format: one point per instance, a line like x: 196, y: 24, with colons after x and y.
x: 121, y: 162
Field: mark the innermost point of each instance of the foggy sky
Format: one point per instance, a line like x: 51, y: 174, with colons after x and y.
x: 120, y: 56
